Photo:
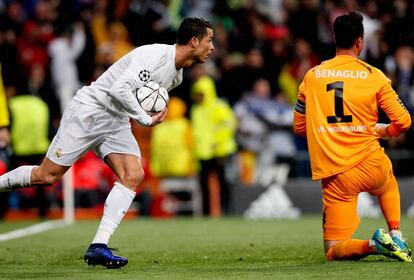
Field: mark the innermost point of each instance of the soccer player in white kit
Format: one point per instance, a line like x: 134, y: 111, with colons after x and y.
x: 98, y: 118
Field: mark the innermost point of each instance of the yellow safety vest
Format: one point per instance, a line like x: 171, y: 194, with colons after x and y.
x: 30, y: 125
x: 213, y: 121
x: 171, y: 154
x: 225, y: 129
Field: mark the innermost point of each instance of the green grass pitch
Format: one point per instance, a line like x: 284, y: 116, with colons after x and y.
x: 191, y: 248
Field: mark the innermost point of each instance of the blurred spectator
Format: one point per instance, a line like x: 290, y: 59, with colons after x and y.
x: 116, y: 45
x: 29, y: 138
x: 40, y: 86
x: 44, y: 16
x: 303, y: 21
x: 86, y: 61
x: 64, y: 51
x: 400, y: 67
x: 11, y: 28
x: 174, y: 13
x: 99, y: 20
x: 200, y: 8
x: 9, y: 57
x: 264, y: 127
x: 372, y: 30
x: 281, y: 137
x: 398, y: 20
x: 172, y: 151
x: 38, y: 32
x: 214, y: 128
x: 13, y: 17
x: 147, y: 22
x: 236, y: 15
x: 31, y: 48
x: 259, y: 25
x: 252, y: 131
x: 276, y: 53
x: 293, y: 71
x: 273, y: 9
x: 240, y: 78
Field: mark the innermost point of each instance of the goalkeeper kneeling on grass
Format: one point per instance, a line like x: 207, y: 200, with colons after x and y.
x: 337, y: 111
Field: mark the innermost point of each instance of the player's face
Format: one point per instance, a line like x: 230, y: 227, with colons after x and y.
x: 205, y: 47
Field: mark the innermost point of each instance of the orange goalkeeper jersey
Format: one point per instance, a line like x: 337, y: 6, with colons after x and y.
x: 337, y: 109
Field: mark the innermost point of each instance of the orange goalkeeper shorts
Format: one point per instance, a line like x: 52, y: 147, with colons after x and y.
x: 340, y: 192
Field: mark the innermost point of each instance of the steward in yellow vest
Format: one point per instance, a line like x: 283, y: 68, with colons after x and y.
x: 214, y: 126
x: 30, y: 125
x: 172, y: 143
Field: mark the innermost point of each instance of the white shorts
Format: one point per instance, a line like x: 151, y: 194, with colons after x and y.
x: 84, y: 127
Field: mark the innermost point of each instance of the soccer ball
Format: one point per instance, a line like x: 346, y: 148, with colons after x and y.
x: 152, y: 97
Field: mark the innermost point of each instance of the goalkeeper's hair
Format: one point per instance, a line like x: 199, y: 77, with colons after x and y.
x: 347, y: 29
x: 192, y: 27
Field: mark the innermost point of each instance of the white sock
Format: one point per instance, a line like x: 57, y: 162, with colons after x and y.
x: 116, y: 205
x: 17, y: 178
x: 397, y: 233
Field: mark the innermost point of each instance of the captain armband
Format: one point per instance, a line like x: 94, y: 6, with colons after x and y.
x: 300, y: 107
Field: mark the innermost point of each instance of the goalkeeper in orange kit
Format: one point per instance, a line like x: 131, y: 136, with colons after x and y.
x: 337, y: 111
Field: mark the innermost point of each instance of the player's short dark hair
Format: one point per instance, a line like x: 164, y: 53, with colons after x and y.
x: 347, y: 29
x: 192, y: 27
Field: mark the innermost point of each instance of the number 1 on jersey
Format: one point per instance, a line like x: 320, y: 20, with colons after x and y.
x: 339, y: 117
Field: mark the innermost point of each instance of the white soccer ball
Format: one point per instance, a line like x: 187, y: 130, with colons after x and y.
x: 152, y: 97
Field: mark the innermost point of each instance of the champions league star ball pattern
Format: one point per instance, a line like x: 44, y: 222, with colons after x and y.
x: 144, y: 75
x: 152, y: 97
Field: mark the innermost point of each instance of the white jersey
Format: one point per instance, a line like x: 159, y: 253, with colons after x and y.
x: 115, y: 89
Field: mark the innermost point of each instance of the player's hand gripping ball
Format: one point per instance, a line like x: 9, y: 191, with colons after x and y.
x: 152, y: 97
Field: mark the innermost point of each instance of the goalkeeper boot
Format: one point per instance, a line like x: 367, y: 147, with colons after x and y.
x: 100, y: 254
x: 397, y: 238
x: 385, y: 246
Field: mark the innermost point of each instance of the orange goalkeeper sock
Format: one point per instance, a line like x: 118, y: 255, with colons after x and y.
x: 351, y: 249
x: 389, y: 201
x: 393, y: 225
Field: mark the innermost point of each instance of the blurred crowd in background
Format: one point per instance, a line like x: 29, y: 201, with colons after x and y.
x: 231, y: 117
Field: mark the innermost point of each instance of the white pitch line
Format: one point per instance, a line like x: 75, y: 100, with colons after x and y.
x: 45, y: 226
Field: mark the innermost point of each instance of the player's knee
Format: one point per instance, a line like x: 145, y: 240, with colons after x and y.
x: 133, y: 178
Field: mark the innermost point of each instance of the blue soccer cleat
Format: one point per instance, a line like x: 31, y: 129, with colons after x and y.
x: 402, y: 244
x: 386, y: 246
x: 100, y: 254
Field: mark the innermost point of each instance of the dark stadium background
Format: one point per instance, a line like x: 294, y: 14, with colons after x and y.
x: 253, y: 39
